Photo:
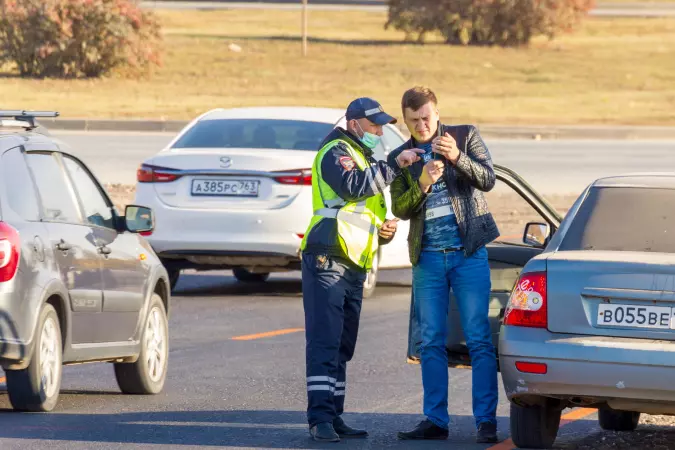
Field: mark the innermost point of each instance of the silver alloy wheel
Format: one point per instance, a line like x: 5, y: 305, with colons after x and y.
x: 155, y: 345
x: 371, y: 278
x: 50, y: 360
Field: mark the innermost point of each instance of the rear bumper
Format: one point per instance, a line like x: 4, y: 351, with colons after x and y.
x: 588, y: 369
x: 254, y: 261
x: 267, y: 236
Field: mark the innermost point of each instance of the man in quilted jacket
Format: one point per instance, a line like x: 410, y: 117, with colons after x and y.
x: 442, y: 196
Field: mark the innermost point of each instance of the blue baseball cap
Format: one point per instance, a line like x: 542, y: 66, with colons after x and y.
x: 367, y: 108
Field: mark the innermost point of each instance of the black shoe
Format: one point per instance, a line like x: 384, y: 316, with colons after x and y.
x: 324, y: 432
x: 345, y: 431
x: 425, y: 430
x: 487, y: 433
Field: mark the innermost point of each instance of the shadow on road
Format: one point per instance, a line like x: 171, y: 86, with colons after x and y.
x: 251, y: 429
x: 208, y: 284
x: 203, y: 285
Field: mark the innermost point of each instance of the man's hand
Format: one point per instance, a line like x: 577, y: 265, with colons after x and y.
x: 432, y: 171
x: 446, y: 146
x: 388, y: 229
x: 408, y: 157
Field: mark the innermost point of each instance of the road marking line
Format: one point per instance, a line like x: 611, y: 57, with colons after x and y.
x: 575, y: 414
x: 250, y: 337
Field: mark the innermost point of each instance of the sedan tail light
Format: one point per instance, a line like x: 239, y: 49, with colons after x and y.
x: 153, y: 174
x: 527, y: 305
x: 10, y: 247
x: 302, y: 177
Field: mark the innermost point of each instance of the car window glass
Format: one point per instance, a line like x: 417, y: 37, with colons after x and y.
x: 511, y: 213
x: 255, y: 133
x: 624, y: 219
x: 57, y: 199
x: 96, y: 209
x: 19, y: 186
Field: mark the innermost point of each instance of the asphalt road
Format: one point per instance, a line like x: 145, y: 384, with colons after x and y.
x: 562, y: 166
x: 636, y: 9
x: 251, y: 393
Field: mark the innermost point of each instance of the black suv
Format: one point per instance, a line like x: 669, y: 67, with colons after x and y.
x: 77, y: 281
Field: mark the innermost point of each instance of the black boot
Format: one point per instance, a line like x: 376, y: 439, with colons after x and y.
x: 324, y: 432
x: 487, y: 433
x: 425, y: 430
x: 345, y: 431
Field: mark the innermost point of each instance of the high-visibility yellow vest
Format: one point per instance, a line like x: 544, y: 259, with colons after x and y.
x: 358, y: 223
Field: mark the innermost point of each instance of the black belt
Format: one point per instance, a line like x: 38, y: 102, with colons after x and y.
x: 445, y: 250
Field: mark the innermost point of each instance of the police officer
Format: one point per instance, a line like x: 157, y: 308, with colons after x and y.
x: 337, y: 252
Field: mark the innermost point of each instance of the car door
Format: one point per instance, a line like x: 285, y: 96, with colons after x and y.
x: 513, y: 203
x: 124, y: 275
x: 71, y: 245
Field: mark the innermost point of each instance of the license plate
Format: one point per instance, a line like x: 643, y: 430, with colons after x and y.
x: 654, y: 317
x: 226, y: 188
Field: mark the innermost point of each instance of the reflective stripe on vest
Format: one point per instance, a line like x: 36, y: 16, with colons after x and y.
x: 358, y: 222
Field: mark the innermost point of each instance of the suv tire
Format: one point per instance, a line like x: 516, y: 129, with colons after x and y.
x: 25, y: 387
x: 148, y: 374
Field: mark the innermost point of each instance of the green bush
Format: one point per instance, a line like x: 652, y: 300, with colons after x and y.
x: 507, y: 23
x: 77, y: 38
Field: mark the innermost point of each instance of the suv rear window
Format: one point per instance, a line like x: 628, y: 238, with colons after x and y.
x: 255, y: 133
x: 19, y: 185
x: 624, y: 219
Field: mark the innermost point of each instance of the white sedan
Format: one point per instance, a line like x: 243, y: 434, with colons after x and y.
x: 233, y: 191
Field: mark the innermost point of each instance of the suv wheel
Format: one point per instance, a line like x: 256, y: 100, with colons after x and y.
x: 245, y: 276
x: 534, y: 426
x: 371, y: 279
x: 613, y: 420
x: 36, y: 388
x: 148, y: 373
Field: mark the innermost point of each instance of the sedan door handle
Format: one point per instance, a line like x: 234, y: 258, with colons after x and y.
x: 63, y: 246
x: 104, y: 250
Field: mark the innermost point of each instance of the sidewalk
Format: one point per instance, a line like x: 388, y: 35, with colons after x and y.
x: 487, y: 130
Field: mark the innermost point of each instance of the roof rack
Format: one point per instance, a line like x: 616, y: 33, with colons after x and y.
x: 25, y: 119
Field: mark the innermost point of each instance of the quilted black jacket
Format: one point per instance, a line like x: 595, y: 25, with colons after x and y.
x: 467, y: 180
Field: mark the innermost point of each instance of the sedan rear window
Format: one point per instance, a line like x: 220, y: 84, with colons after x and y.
x: 255, y: 133
x: 624, y: 219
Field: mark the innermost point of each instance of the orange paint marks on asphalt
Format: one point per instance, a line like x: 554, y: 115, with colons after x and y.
x: 575, y: 414
x: 250, y: 337
x: 3, y: 379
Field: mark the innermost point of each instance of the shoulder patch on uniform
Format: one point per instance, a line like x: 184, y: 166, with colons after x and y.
x: 347, y: 162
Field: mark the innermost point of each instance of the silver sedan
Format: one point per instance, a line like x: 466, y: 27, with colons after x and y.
x: 590, y: 322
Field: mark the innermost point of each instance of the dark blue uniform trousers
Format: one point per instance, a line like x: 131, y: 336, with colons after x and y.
x: 332, y: 293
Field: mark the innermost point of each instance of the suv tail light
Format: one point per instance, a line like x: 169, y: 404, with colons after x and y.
x: 10, y: 246
x: 153, y: 174
x: 302, y: 177
x: 527, y: 305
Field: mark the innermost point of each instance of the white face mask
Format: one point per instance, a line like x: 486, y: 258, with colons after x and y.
x: 370, y: 140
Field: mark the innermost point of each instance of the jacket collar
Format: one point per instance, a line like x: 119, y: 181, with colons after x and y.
x: 412, y: 143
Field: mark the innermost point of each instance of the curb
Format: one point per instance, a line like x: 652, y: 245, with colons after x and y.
x: 536, y: 132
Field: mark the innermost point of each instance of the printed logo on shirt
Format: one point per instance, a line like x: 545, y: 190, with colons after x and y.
x: 347, y: 163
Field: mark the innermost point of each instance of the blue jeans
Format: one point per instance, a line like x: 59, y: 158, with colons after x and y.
x: 469, y: 278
